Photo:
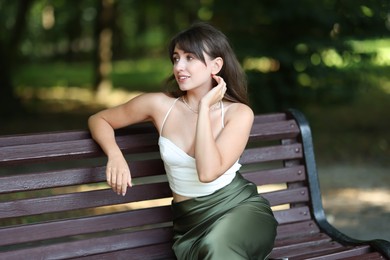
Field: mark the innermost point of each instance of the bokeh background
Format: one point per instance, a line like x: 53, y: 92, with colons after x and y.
x: 61, y: 61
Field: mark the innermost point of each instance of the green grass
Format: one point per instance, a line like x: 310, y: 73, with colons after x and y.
x: 132, y: 75
x: 142, y: 75
x: 54, y: 74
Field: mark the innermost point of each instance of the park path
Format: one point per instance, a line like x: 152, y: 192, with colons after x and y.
x: 356, y: 199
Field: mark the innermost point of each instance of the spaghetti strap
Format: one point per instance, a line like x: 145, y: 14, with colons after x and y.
x: 166, y: 116
x: 222, y: 115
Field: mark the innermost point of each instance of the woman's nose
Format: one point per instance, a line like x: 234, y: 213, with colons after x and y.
x: 179, y: 65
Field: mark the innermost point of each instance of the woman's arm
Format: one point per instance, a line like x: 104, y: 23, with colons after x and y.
x: 214, y: 156
x: 102, y: 125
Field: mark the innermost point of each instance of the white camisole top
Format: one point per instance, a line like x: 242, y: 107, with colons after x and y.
x: 181, y: 168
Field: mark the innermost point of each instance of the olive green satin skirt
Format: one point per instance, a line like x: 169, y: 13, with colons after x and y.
x: 232, y: 223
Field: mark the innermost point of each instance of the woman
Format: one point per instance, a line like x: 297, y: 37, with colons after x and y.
x: 204, y: 125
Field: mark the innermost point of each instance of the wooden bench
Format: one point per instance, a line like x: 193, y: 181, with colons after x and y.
x: 55, y: 204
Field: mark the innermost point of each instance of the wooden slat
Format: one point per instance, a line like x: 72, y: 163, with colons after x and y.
x: 25, y: 139
x: 368, y: 256
x: 92, y: 246
x: 267, y: 118
x: 295, y: 242
x: 68, y: 177
x: 82, y: 200
x: 86, y: 225
x: 63, y: 136
x: 304, y: 228
x: 274, y: 131
x: 292, y: 215
x: 287, y: 196
x: 302, y: 252
x: 276, y: 176
x: 272, y: 153
x: 154, y: 252
x: 74, y: 149
x: 293, y: 239
x: 44, y: 151
x: 43, y: 180
x: 329, y: 253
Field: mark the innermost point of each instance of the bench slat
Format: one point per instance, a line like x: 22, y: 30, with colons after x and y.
x: 286, y: 245
x: 74, y: 149
x: 38, y: 138
x: 345, y: 252
x: 369, y: 256
x: 63, y: 136
x: 61, y: 178
x: 294, y: 241
x: 274, y: 131
x: 331, y: 251
x: 292, y: 215
x: 276, y: 176
x: 267, y: 118
x: 86, y: 225
x: 302, y: 252
x: 304, y: 228
x: 92, y: 246
x: 287, y: 196
x: 82, y: 200
x: 44, y: 180
x: 154, y: 252
x: 272, y: 153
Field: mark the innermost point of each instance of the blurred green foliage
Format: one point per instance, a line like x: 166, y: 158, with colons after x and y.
x: 295, y: 53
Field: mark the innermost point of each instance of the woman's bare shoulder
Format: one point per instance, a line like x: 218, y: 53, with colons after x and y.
x: 154, y: 96
x: 234, y: 110
x: 150, y: 99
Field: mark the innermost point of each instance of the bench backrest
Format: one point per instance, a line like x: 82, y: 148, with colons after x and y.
x: 54, y: 185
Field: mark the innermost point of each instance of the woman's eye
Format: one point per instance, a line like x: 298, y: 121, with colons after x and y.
x: 175, y: 59
x: 189, y: 57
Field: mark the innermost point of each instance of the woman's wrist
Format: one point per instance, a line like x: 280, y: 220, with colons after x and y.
x: 114, y: 153
x: 204, y: 106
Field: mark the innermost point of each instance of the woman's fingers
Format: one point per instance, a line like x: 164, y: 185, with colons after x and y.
x: 118, y: 178
x: 220, y: 89
x: 122, y: 185
x: 118, y: 185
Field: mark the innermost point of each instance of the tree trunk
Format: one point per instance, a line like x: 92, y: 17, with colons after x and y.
x: 103, y: 42
x: 9, y: 102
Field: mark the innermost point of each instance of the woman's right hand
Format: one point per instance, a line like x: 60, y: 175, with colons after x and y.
x: 118, y: 174
x: 145, y: 107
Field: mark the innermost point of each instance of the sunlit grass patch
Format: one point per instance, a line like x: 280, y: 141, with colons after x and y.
x: 379, y: 46
x: 132, y: 75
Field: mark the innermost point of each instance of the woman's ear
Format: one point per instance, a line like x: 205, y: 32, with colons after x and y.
x: 217, y: 65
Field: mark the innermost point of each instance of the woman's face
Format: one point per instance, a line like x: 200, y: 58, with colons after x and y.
x: 190, y: 72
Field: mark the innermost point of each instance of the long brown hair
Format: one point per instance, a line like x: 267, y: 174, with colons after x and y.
x: 203, y: 38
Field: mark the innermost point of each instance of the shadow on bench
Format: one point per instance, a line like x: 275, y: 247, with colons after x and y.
x: 54, y: 203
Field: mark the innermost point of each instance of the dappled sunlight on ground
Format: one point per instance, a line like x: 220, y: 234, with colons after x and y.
x: 362, y: 214
x: 357, y: 199
x: 369, y: 197
x: 60, y: 108
x: 66, y: 97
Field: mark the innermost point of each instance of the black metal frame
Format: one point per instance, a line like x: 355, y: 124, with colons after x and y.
x: 380, y: 245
